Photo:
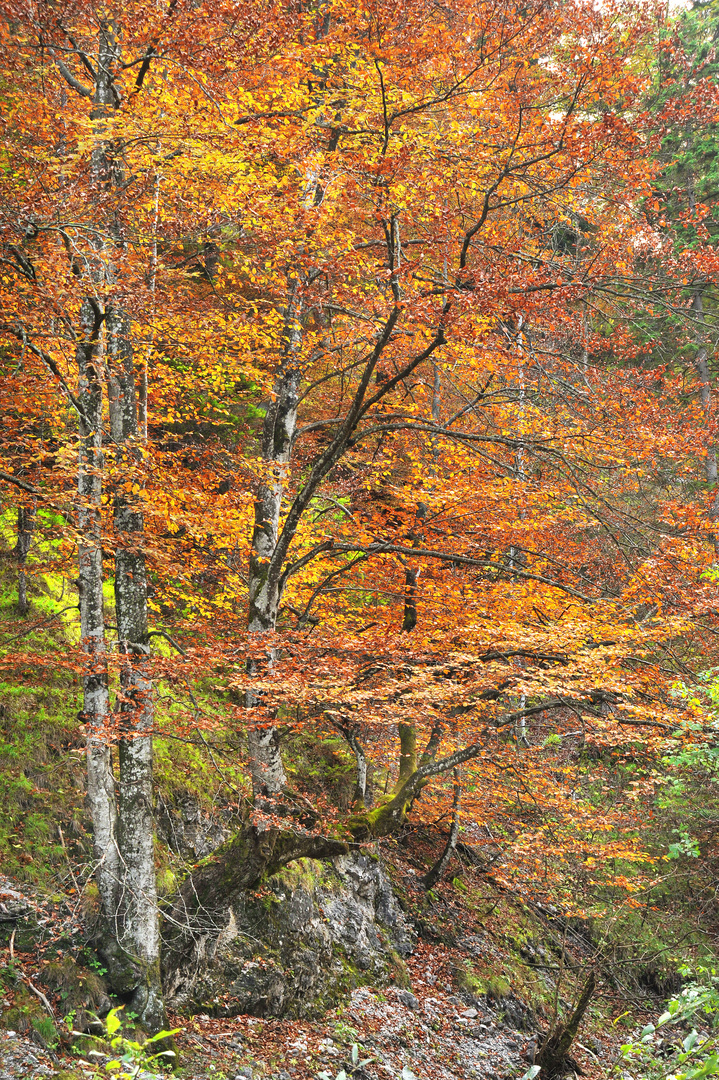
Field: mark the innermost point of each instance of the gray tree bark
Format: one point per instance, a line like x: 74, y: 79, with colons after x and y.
x: 265, y: 588
x: 25, y: 526
x: 123, y: 827
x: 139, y: 930
x: 436, y: 872
x: 138, y: 915
x: 701, y: 363
x: 96, y: 707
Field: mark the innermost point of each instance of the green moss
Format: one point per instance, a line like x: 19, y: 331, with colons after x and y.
x: 498, y: 988
x: 26, y: 1014
x: 302, y: 873
x: 46, y: 1029
x: 464, y: 979
x: 397, y: 970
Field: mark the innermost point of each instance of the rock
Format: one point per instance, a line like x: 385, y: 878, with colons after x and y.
x: 244, y: 1073
x: 471, y: 1013
x: 517, y: 1015
x: 408, y: 999
x: 319, y: 930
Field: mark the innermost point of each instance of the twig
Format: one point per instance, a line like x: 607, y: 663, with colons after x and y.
x: 42, y: 997
x: 37, y: 625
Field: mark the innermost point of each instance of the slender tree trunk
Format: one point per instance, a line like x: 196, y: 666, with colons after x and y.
x: 139, y: 934
x: 436, y: 872
x: 551, y: 1056
x: 25, y: 526
x: 360, y: 795
x: 268, y: 775
x: 408, y: 732
x: 701, y: 363
x: 100, y: 778
x: 350, y: 732
x: 101, y: 781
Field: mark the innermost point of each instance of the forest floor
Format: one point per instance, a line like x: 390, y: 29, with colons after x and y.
x: 433, y: 1027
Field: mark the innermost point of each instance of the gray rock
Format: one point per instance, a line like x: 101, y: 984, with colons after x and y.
x: 324, y: 929
x: 408, y: 999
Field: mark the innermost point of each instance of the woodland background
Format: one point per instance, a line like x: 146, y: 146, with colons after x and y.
x: 359, y: 500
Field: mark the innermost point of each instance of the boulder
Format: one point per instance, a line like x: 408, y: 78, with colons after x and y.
x: 295, y: 947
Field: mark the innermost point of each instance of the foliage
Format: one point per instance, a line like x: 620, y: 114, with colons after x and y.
x: 131, y: 1057
x: 355, y: 1064
x: 663, y: 1049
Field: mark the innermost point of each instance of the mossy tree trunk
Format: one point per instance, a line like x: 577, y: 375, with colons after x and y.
x: 389, y: 816
x: 240, y: 864
x: 553, y: 1052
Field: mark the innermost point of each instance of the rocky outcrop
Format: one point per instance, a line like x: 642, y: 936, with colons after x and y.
x: 295, y: 947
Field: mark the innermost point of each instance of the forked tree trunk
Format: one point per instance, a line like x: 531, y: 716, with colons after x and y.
x: 123, y: 831
x: 552, y: 1054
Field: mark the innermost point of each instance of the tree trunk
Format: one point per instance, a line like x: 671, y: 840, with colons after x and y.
x: 96, y: 708
x: 139, y: 936
x: 25, y: 526
x: 132, y: 943
x: 350, y: 733
x: 360, y: 795
x: 100, y: 778
x: 268, y: 776
x: 436, y: 872
x: 407, y: 754
x: 140, y: 932
x: 701, y: 363
x: 552, y: 1054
